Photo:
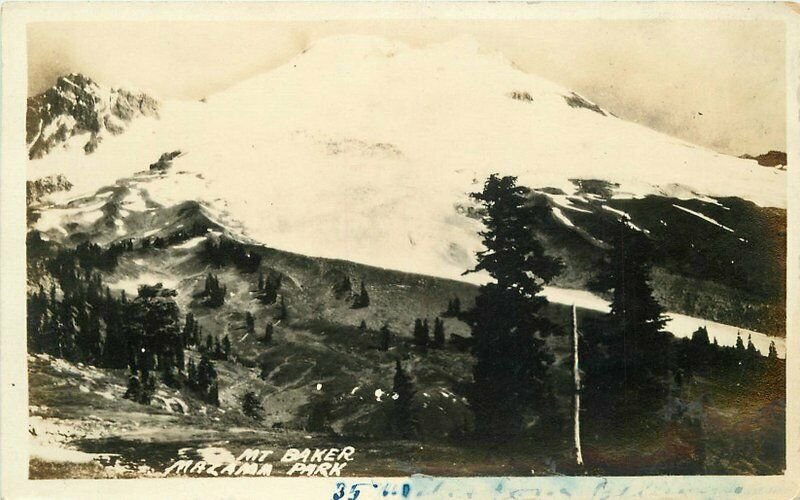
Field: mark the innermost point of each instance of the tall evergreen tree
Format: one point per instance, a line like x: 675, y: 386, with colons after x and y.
x: 438, y: 333
x: 510, y: 375
x: 362, y: 299
x: 283, y: 312
x: 207, y: 380
x: 773, y: 351
x: 191, y: 374
x: 628, y: 362
x: 251, y: 406
x: 385, y: 338
x: 209, y: 344
x: 218, y: 354
x: 421, y: 337
x: 188, y: 329
x: 250, y: 322
x: 214, y: 292
x: 404, y: 422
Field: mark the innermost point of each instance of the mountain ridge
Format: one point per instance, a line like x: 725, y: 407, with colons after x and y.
x: 77, y: 105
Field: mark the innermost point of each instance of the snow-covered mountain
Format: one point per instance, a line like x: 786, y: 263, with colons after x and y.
x: 365, y: 150
x: 78, y: 112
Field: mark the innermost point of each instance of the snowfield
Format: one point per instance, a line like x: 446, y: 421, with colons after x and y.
x: 362, y: 149
x: 359, y: 145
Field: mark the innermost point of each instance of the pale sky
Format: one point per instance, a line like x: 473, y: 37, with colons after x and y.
x: 719, y: 84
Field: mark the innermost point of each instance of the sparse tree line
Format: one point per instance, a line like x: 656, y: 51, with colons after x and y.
x: 226, y: 251
x: 633, y: 369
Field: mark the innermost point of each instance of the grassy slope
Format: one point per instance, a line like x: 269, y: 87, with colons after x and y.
x: 319, y: 354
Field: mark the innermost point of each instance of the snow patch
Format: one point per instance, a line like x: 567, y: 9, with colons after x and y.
x: 561, y: 217
x: 704, y: 217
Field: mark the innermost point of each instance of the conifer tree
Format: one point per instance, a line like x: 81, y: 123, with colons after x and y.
x: 510, y: 375
x: 218, y: 349
x: 773, y: 351
x: 226, y: 347
x: 385, y: 338
x: 283, y: 312
x: 214, y: 292
x: 751, y: 349
x: 363, y: 326
x: 453, y: 307
x: 133, y: 389
x: 362, y: 299
x: 148, y: 389
x: 213, y: 394
x: 628, y: 368
x: 421, y: 337
x: 191, y: 374
x: 251, y: 406
x: 272, y: 284
x: 343, y: 288
x: 438, y: 333
x: 268, y: 332
x: 250, y: 322
x: 188, y: 329
x: 404, y: 421
x: 207, y: 380
x: 209, y: 345
x: 319, y: 413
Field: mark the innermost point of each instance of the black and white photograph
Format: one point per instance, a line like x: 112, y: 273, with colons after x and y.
x: 406, y: 246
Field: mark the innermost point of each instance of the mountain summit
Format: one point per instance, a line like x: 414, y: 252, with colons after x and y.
x: 358, y: 145
x: 78, y: 107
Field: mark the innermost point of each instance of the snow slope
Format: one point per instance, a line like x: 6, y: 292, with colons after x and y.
x: 365, y: 149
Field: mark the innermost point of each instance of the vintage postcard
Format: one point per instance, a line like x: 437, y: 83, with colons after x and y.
x: 368, y: 250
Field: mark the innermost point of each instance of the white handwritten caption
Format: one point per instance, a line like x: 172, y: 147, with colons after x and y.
x: 322, y: 462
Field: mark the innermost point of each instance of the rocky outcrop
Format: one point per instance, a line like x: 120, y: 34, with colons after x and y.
x: 35, y: 190
x: 770, y: 159
x: 77, y: 105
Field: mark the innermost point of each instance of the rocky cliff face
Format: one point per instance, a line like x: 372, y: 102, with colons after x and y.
x: 770, y: 159
x: 78, y: 107
x: 39, y: 188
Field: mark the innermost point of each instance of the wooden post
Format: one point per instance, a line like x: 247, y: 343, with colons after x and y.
x: 577, y: 376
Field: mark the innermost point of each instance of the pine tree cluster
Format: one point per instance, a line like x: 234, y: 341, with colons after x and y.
x: 422, y: 333
x: 214, y: 292
x: 268, y: 287
x: 81, y: 321
x: 453, y: 308
x: 227, y: 251
x: 362, y: 299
